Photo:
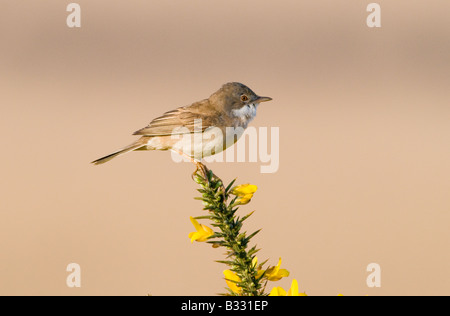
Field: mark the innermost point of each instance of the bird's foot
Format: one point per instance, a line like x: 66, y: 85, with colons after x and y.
x: 202, y: 169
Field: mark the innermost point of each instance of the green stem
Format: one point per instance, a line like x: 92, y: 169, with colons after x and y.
x: 222, y: 214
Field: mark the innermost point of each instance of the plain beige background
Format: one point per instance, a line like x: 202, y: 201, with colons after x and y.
x: 364, y: 120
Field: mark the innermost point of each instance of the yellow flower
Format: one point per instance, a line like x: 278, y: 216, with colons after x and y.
x: 293, y: 291
x: 260, y: 271
x: 244, y: 192
x: 203, y: 232
x: 244, y: 189
x: 275, y: 273
x: 277, y: 291
x: 232, y: 279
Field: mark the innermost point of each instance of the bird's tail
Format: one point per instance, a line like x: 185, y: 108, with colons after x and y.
x: 125, y: 150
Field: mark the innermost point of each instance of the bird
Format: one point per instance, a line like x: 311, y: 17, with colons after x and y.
x: 217, y: 122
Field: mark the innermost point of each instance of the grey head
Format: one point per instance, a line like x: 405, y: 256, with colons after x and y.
x: 234, y: 96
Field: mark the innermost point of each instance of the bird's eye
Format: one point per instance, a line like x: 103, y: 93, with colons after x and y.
x: 244, y: 98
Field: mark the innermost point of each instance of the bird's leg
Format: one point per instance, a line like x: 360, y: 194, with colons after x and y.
x: 206, y: 175
x: 204, y: 171
x: 202, y: 168
x: 199, y: 165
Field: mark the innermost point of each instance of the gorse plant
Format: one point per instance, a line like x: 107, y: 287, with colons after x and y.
x: 245, y: 276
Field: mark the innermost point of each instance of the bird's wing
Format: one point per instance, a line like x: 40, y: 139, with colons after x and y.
x: 184, y: 120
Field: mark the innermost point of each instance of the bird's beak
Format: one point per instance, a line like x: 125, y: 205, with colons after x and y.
x: 262, y: 99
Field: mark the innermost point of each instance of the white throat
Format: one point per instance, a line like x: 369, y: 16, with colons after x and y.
x: 245, y: 114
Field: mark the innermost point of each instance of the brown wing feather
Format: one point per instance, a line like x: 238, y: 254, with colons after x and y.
x: 166, y: 124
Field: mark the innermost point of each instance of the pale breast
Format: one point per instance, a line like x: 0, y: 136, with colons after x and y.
x: 245, y: 114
